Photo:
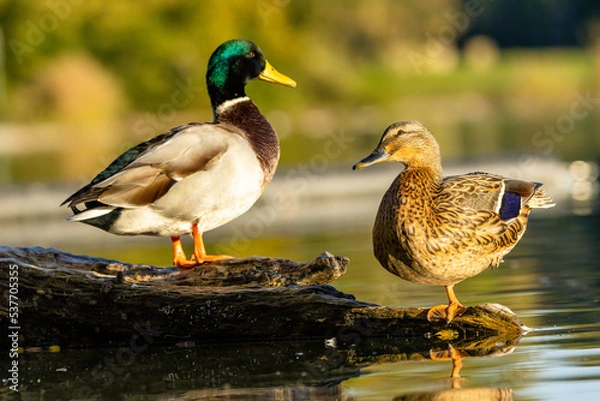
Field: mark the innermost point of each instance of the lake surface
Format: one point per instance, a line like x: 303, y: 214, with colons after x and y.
x: 551, y: 280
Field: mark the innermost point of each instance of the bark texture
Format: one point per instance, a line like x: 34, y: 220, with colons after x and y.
x: 82, y: 301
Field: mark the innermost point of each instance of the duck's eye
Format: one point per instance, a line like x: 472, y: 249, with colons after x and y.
x: 250, y: 54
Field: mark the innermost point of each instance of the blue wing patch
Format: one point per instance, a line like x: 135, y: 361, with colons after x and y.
x: 511, y: 206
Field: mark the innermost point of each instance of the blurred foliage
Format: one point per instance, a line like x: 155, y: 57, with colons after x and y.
x: 149, y: 45
x: 146, y: 48
x: 111, y: 70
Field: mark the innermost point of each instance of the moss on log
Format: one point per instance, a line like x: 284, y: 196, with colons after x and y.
x: 81, y: 301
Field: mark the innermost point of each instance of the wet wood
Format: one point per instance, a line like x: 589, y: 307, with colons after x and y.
x: 81, y: 301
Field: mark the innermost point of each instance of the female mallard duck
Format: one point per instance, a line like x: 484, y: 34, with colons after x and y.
x: 440, y: 231
x: 197, y: 176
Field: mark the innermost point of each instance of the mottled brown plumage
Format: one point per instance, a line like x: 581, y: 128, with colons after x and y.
x: 441, y: 231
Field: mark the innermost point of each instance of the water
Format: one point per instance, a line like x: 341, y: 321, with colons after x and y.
x: 551, y: 280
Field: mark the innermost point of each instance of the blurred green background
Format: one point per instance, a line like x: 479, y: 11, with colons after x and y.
x: 80, y: 81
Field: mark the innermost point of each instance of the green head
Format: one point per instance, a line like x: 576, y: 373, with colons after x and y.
x: 233, y: 65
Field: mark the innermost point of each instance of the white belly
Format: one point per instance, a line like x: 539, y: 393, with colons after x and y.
x: 207, y: 198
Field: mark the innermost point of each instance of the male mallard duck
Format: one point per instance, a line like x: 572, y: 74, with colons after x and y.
x: 440, y: 231
x: 197, y: 176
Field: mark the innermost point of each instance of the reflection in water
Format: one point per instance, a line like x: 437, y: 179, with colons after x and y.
x: 488, y: 347
x: 455, y: 356
x: 460, y: 394
x: 456, y: 392
x: 312, y: 370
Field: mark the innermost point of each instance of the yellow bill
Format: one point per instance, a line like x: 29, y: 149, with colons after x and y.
x: 270, y: 74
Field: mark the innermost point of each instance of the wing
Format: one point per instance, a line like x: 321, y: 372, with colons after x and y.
x: 473, y: 191
x: 483, y: 191
x: 147, y: 171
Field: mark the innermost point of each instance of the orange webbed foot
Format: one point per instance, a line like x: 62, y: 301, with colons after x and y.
x: 185, y: 263
x: 210, y: 258
x: 199, y: 257
x: 446, y: 312
x: 195, y: 261
x: 200, y: 252
x: 179, y: 258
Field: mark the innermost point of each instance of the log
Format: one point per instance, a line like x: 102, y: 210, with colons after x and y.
x: 82, y: 301
x: 252, y: 271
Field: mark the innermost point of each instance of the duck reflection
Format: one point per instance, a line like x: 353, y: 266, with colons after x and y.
x: 488, y: 347
x: 460, y: 394
x: 456, y: 392
x: 277, y: 370
x: 456, y: 356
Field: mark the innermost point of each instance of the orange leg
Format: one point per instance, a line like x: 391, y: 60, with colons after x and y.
x: 200, y: 252
x: 199, y: 256
x: 179, y: 258
x: 452, y: 354
x: 447, y: 312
